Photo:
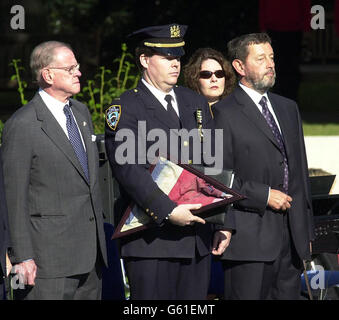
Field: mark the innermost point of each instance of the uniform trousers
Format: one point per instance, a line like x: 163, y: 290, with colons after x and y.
x: 273, y: 280
x: 168, y: 279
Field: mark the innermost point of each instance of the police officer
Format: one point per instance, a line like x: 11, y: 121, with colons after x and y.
x: 170, y: 260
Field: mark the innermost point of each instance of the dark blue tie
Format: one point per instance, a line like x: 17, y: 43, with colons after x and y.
x: 75, y: 140
x: 171, y: 112
x: 276, y: 132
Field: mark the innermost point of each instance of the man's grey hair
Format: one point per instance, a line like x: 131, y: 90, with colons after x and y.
x: 43, y: 55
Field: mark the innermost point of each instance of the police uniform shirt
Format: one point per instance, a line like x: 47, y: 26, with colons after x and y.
x: 160, y: 95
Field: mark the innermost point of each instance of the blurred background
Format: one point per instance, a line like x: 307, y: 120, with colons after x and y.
x: 307, y: 62
x: 97, y: 28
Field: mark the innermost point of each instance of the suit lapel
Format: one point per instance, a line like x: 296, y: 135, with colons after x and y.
x: 253, y: 114
x: 54, y: 131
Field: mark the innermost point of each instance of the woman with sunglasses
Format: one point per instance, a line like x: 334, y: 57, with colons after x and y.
x: 210, y: 74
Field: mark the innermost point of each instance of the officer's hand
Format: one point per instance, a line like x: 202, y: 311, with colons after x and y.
x: 182, y: 216
x: 221, y: 241
x: 279, y: 200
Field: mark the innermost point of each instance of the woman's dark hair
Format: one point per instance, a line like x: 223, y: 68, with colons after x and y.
x: 193, y: 68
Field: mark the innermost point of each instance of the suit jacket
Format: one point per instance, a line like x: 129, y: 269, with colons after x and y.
x: 250, y: 148
x: 136, y: 184
x: 55, y: 215
x: 4, y: 230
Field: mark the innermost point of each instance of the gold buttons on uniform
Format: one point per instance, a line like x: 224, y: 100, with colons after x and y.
x: 147, y: 210
x: 135, y: 90
x: 152, y: 214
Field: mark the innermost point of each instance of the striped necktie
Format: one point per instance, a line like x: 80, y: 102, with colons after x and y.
x: 276, y: 132
x: 75, y: 140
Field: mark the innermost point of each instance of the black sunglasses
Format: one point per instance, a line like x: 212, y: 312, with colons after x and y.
x: 208, y: 74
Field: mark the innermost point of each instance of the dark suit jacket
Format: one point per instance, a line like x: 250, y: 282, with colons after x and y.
x: 4, y: 230
x: 167, y: 241
x: 249, y: 147
x: 55, y: 215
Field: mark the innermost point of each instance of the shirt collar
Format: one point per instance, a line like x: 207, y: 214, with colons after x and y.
x: 160, y: 95
x: 254, y: 95
x: 50, y: 101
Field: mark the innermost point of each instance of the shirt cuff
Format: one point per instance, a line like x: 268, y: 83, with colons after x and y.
x: 269, y: 191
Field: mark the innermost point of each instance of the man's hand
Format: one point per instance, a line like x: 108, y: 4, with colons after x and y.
x: 182, y: 216
x: 279, y: 200
x: 221, y: 241
x: 26, y: 271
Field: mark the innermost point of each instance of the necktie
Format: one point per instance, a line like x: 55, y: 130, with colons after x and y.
x: 275, y: 130
x: 75, y: 140
x: 171, y: 112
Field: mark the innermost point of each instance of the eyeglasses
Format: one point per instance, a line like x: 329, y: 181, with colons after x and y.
x: 208, y: 74
x: 71, y: 70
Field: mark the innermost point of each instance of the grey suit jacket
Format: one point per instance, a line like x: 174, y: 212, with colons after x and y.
x: 55, y: 215
x: 4, y: 232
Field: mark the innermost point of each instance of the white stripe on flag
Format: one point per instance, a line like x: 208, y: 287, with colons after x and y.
x: 166, y: 174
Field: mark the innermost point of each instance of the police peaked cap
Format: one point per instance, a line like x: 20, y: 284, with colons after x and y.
x: 167, y: 39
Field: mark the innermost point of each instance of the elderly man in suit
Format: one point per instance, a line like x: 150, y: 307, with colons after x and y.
x: 263, y: 142
x: 170, y: 260
x: 51, y: 178
x: 4, y: 234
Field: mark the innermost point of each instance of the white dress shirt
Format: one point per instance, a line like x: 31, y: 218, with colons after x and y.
x: 256, y: 97
x: 160, y: 95
x: 57, y: 109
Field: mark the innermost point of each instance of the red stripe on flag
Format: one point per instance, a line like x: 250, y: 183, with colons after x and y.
x: 188, y: 189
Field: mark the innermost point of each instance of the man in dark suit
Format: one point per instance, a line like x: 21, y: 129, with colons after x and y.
x: 263, y: 142
x: 51, y: 178
x: 170, y: 260
x: 4, y: 233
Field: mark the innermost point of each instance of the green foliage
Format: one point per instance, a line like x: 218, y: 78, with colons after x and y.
x: 321, y: 129
x: 106, y: 86
x: 21, y: 84
x: 16, y: 77
x: 1, y: 128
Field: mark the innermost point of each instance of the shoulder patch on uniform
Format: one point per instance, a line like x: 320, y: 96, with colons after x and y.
x: 113, y: 114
